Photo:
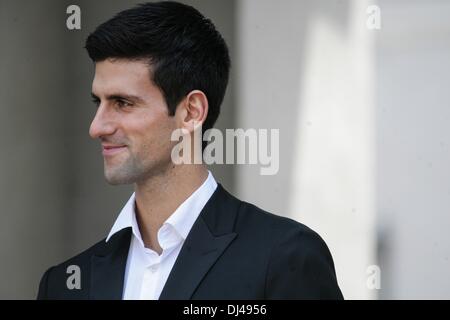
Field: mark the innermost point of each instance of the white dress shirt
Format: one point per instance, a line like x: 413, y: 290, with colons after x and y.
x: 146, y: 272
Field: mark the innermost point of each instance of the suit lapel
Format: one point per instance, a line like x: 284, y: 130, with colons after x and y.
x: 195, y: 259
x: 210, y: 235
x: 108, y: 267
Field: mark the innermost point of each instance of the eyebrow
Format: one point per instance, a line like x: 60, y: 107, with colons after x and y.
x: 119, y: 96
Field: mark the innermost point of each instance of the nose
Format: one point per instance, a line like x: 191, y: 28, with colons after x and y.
x: 102, y: 124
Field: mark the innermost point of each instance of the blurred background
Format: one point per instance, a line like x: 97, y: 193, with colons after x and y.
x: 363, y: 115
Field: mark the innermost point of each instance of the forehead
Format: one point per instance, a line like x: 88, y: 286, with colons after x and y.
x: 114, y: 75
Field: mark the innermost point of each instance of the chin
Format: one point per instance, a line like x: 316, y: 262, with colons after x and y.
x: 118, y: 179
x: 114, y: 182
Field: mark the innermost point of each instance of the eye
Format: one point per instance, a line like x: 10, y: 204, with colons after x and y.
x: 122, y: 103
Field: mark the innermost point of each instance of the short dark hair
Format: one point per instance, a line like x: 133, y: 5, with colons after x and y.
x: 184, y: 49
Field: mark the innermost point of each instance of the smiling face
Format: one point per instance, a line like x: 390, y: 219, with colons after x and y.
x: 132, y: 121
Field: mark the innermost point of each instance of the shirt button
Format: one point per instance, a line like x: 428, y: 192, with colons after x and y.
x: 153, y: 269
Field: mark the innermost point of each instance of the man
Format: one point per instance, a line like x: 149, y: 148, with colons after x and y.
x: 161, y: 67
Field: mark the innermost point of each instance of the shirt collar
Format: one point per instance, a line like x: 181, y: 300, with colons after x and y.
x: 181, y: 220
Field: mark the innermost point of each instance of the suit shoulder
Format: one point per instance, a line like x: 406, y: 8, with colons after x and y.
x: 81, y: 260
x: 278, y: 225
x: 53, y: 282
x: 299, y: 262
x: 84, y: 256
x: 101, y: 248
x: 280, y: 232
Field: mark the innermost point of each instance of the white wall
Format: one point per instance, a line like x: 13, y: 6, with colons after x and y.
x: 413, y: 148
x: 306, y: 67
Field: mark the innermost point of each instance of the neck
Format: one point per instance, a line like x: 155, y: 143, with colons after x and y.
x: 158, y: 197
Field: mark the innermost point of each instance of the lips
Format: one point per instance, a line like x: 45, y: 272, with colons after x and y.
x: 109, y: 150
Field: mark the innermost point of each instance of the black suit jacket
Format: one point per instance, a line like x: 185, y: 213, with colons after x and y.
x: 233, y: 251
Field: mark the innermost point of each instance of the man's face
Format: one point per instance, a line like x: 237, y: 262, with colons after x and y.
x: 132, y: 121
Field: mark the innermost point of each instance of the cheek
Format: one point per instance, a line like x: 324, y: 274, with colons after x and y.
x: 153, y: 136
x: 164, y: 136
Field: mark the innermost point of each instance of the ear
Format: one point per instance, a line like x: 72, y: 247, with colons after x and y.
x: 192, y: 111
